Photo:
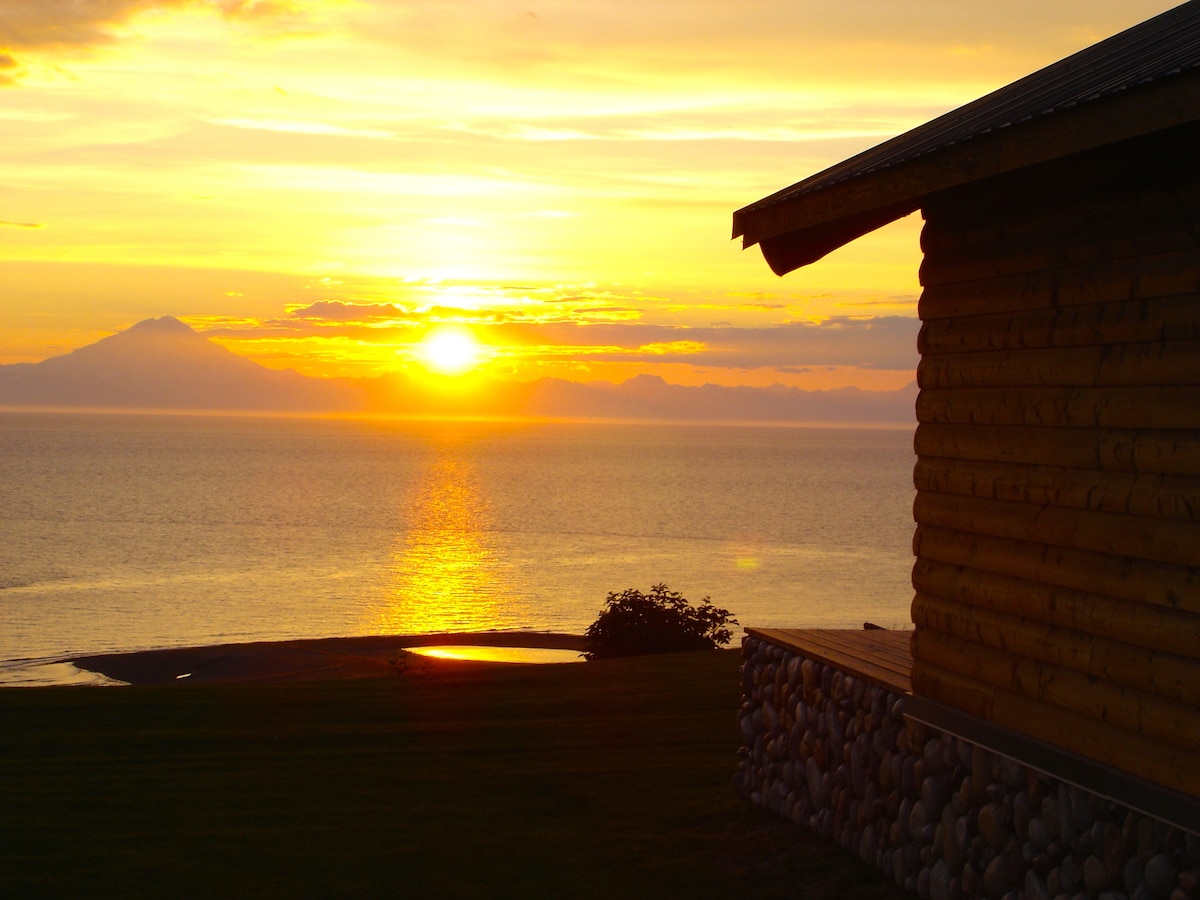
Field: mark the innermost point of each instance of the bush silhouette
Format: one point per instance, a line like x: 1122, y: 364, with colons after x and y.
x: 662, y: 621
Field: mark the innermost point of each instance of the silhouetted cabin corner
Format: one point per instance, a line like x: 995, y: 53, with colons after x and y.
x: 1057, y: 573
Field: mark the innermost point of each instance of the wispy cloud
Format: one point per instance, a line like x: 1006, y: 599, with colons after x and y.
x: 82, y: 23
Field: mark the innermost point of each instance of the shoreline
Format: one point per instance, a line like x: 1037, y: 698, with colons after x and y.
x: 310, y: 659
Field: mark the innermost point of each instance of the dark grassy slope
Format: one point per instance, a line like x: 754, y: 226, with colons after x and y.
x: 604, y: 779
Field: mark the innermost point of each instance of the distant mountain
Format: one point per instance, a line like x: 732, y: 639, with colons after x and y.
x: 650, y: 397
x: 164, y: 364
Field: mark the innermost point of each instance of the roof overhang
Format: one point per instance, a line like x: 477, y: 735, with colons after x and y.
x: 808, y: 220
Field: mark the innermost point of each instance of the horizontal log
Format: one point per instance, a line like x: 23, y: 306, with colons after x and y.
x: 1140, y: 581
x: 1145, y: 625
x: 1117, y: 365
x: 1099, y: 699
x: 1151, y: 451
x: 1063, y: 407
x: 1137, y: 537
x: 1153, y: 672
x: 1175, y: 318
x: 1115, y: 236
x: 1162, y: 275
x: 1169, y: 765
x: 1063, y: 197
x: 1160, y: 496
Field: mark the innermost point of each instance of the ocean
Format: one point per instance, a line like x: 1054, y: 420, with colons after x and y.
x: 129, y: 532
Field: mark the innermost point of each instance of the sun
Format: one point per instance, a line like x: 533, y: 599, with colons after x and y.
x: 450, y: 350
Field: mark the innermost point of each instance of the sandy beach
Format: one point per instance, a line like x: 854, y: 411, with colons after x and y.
x: 310, y: 660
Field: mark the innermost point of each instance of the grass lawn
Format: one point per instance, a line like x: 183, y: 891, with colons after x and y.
x: 601, y: 779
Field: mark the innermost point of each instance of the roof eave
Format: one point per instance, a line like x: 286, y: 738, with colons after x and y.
x: 799, y: 229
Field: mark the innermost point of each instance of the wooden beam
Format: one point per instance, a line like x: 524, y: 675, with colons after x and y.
x: 972, y: 628
x: 1161, y: 275
x: 1142, y: 581
x: 1153, y: 627
x: 1160, y: 496
x: 1151, y: 451
x: 1116, y: 534
x: 1111, y: 365
x: 1161, y: 407
x: 1100, y: 699
x: 1174, y: 318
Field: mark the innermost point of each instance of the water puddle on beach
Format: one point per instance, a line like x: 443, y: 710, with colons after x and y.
x: 500, y: 654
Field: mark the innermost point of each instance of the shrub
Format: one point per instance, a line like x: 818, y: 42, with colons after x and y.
x: 663, y: 621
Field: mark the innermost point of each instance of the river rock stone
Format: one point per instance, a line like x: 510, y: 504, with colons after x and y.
x: 935, y: 794
x: 1133, y: 874
x: 918, y: 819
x: 939, y: 881
x: 1160, y: 876
x: 995, y: 879
x: 1012, y: 774
x: 1095, y: 876
x: 991, y: 825
x: 1190, y: 881
x: 1035, y: 888
x: 1022, y: 814
x: 1049, y: 815
x: 1070, y: 875
x: 969, y: 878
x: 1039, y: 835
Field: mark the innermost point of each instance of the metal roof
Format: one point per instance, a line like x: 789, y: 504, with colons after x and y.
x: 1157, y: 49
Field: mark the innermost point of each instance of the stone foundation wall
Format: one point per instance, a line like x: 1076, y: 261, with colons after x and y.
x: 943, y: 817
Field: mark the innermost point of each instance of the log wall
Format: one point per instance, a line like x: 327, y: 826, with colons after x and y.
x: 1058, y: 476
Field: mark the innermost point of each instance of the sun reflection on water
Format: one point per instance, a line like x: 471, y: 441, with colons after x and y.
x: 446, y: 574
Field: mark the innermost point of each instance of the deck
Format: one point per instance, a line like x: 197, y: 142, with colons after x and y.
x: 877, y: 655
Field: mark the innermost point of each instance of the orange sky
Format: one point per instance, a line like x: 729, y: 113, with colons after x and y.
x: 319, y: 183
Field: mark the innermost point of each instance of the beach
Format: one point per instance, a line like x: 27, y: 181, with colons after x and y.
x: 324, y: 659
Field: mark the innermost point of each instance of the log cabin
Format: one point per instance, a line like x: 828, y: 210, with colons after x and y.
x: 1057, y: 545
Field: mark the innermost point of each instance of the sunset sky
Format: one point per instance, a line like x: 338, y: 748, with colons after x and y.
x: 319, y: 184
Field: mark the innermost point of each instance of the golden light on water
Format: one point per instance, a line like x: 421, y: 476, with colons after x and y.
x: 446, y: 577
x: 500, y: 654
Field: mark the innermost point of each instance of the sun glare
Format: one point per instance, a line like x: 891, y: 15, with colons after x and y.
x: 450, y: 351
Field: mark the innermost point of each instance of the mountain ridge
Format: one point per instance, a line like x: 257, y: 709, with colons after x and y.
x: 164, y: 364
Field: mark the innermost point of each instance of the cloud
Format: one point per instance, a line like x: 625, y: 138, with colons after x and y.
x: 882, y: 342
x: 21, y: 225
x: 32, y: 26
x: 623, y: 41
x: 339, y: 311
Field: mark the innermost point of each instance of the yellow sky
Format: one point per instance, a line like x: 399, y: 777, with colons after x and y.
x: 318, y: 183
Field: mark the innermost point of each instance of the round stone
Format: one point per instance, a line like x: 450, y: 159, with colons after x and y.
x: 1050, y: 816
x: 939, y: 881
x: 1039, y: 835
x: 1069, y: 874
x: 995, y: 879
x: 992, y: 826
x: 1035, y: 888
x: 918, y: 818
x: 1133, y: 875
x: 1160, y: 876
x: 1095, y: 876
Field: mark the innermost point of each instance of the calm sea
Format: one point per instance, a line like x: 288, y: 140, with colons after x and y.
x: 132, y: 532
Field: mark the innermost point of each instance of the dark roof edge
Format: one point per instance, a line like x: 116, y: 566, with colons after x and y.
x: 798, y: 230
